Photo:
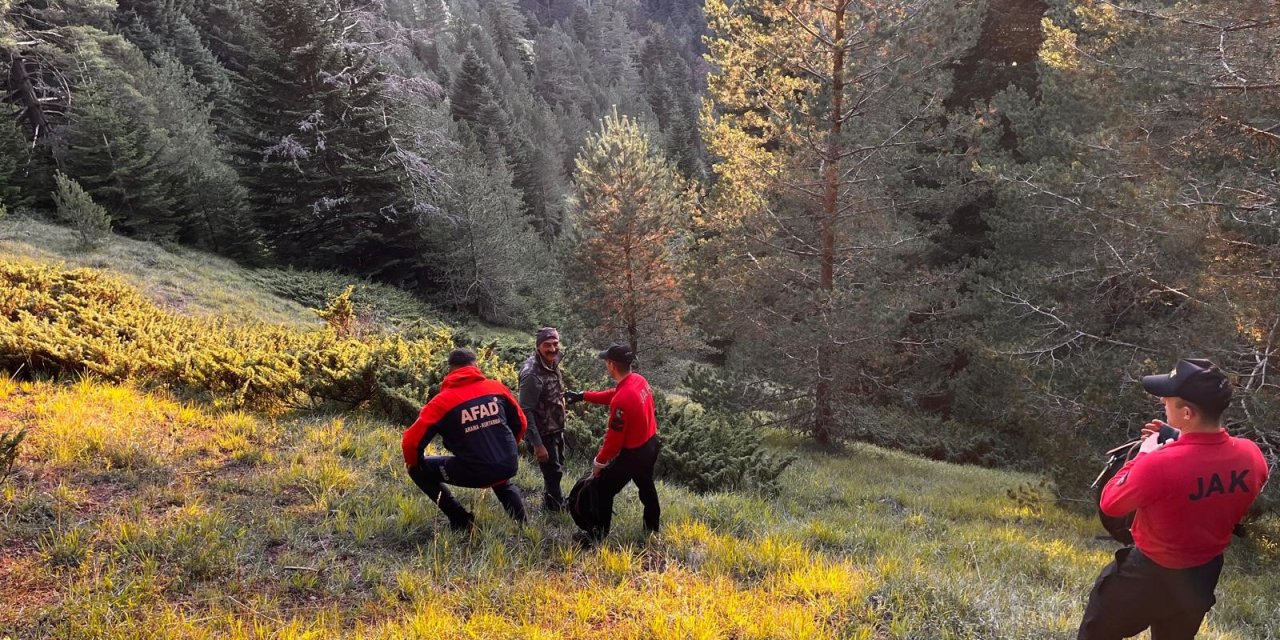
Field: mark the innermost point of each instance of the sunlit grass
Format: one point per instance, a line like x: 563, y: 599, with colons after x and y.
x: 166, y: 519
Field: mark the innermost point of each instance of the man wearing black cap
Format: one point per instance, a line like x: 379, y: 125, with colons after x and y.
x: 480, y: 423
x: 1187, y: 494
x: 631, y: 445
x: 542, y: 399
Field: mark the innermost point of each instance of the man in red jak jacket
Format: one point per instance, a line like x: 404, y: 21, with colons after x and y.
x: 480, y: 423
x: 631, y: 445
x: 1188, y: 495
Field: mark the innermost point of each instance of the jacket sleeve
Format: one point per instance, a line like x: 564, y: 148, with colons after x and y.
x: 1137, y: 484
x: 530, y: 393
x: 600, y: 397
x: 519, y: 426
x: 623, y: 412
x: 420, y: 433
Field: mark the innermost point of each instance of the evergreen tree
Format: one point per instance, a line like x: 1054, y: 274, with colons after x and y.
x: 320, y: 164
x: 630, y: 205
x: 820, y: 114
x: 13, y: 153
x: 1136, y: 220
x: 472, y: 91
x: 78, y: 209
x: 112, y: 156
x: 493, y: 261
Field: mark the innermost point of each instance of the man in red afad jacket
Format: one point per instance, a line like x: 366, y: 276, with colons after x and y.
x: 1188, y: 495
x: 631, y: 445
x: 480, y: 422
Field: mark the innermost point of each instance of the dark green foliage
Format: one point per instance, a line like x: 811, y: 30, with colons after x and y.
x: 76, y: 208
x: 14, y: 153
x: 929, y: 436
x: 721, y: 392
x: 706, y: 452
x: 115, y: 158
x: 9, y: 443
x: 318, y: 160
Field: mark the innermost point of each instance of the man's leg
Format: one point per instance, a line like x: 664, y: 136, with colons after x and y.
x: 1190, y: 596
x: 430, y: 476
x: 512, y: 502
x: 1121, y: 602
x: 611, y: 481
x: 553, y: 471
x: 643, y: 477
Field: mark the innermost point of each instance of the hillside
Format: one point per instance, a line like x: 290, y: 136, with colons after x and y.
x: 136, y: 511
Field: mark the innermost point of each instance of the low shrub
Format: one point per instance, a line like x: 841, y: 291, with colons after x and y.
x: 59, y: 321
x: 707, y: 452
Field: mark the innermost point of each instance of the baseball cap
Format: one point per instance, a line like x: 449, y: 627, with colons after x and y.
x: 618, y: 352
x: 1199, y: 382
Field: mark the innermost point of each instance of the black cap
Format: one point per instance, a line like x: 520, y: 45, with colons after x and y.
x: 461, y: 358
x: 1199, y: 382
x: 618, y: 352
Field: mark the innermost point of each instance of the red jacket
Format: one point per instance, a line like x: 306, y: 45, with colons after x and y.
x: 478, y: 419
x: 631, y: 415
x: 1188, y: 495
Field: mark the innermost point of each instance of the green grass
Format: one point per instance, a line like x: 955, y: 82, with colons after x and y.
x: 135, y: 513
x: 230, y: 525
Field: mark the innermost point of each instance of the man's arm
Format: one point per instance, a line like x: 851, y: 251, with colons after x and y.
x: 520, y: 425
x: 623, y: 413
x: 1138, y: 484
x: 600, y: 397
x: 419, y: 434
x: 530, y: 393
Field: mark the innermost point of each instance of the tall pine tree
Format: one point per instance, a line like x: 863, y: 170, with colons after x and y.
x: 820, y: 113
x: 318, y: 157
x: 630, y: 208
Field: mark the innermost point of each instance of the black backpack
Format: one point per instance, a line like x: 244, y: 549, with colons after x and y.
x: 1118, y: 526
x: 584, y: 504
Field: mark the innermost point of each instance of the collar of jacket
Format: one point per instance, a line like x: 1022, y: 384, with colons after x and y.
x: 462, y: 376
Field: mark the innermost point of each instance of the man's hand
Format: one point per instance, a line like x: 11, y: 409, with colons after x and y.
x: 1155, y: 426
x: 571, y: 397
x: 1152, y: 427
x: 596, y: 468
x: 540, y: 452
x: 1151, y: 443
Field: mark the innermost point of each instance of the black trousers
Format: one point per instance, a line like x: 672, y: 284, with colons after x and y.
x: 553, y: 469
x: 433, y: 472
x: 632, y: 465
x: 1134, y: 593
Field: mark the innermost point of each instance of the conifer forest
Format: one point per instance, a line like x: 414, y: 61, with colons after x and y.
x: 956, y: 228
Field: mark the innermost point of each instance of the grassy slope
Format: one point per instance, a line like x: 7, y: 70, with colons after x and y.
x: 134, y: 515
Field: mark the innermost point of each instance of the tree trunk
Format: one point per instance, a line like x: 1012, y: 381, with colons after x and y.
x: 824, y: 415
x: 24, y: 95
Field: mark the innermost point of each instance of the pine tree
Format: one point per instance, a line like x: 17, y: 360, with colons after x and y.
x: 493, y: 261
x: 78, y: 209
x: 629, y: 205
x: 320, y: 162
x: 472, y: 91
x: 820, y: 112
x: 112, y: 156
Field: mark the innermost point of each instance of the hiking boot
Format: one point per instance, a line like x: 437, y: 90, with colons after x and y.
x: 585, y: 540
x: 463, y: 526
x: 554, y: 505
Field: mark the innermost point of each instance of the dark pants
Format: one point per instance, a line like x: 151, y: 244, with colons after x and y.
x: 1134, y: 593
x: 631, y: 465
x: 553, y: 470
x: 435, y: 471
